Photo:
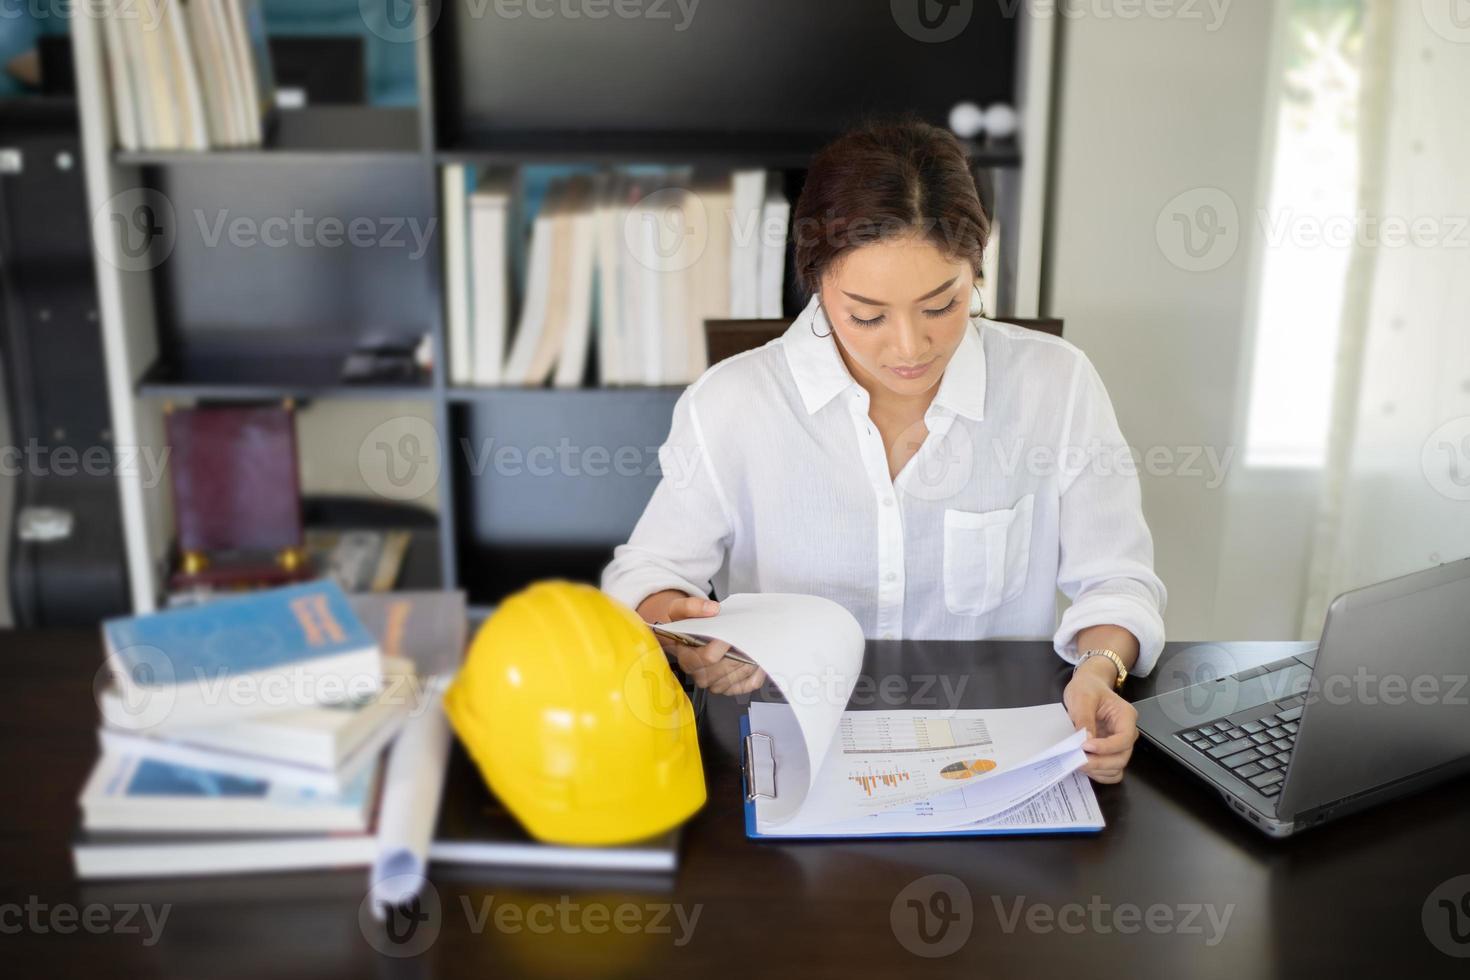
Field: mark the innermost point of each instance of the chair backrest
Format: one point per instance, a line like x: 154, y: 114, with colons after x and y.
x: 726, y: 338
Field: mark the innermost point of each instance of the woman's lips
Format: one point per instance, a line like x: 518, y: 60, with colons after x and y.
x: 913, y: 372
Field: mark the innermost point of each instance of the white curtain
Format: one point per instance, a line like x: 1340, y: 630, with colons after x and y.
x: 1396, y: 488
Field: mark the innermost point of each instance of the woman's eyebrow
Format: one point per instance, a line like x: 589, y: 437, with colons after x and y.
x: 878, y: 302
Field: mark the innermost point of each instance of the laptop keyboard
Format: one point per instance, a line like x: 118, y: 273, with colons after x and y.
x: 1255, y: 745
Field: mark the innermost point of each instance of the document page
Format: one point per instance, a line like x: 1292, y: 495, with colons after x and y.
x: 812, y: 650
x: 868, y: 772
x: 917, y: 771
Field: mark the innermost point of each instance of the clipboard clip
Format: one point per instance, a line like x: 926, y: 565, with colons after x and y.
x: 760, y: 767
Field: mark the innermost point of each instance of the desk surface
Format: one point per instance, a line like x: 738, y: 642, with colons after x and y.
x: 1147, y: 897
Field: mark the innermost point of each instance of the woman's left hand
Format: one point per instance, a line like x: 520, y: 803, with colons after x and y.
x: 1111, y: 723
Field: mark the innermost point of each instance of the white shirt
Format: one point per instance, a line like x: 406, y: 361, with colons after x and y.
x: 776, y: 480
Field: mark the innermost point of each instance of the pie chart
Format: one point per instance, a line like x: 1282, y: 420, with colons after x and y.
x: 964, y: 770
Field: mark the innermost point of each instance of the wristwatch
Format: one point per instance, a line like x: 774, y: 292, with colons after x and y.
x: 1117, y: 663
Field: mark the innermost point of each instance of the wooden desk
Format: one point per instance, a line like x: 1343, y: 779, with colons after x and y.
x: 1347, y: 897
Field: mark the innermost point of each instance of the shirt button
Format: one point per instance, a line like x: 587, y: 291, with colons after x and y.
x: 891, y: 577
x: 887, y: 636
x: 887, y: 501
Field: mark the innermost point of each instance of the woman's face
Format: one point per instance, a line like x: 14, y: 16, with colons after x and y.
x: 899, y: 308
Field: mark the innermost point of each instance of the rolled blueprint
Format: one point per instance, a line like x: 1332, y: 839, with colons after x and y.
x: 410, y: 805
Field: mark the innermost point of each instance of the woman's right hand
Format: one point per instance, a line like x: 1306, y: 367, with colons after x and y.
x: 706, y: 665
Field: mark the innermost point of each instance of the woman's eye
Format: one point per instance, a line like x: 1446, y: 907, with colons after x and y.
x: 866, y: 323
x: 941, y: 312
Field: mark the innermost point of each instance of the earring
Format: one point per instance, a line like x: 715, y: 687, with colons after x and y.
x: 812, y: 326
x: 977, y: 302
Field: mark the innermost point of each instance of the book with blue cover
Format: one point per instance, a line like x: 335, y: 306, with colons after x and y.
x: 239, y: 657
x: 131, y: 793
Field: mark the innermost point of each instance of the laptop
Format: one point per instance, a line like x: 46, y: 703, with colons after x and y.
x: 1378, y: 709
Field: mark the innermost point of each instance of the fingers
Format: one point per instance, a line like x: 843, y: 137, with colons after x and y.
x: 692, y: 608
x: 692, y: 659
x: 742, y: 681
x: 1083, y: 714
x: 697, y: 661
x: 708, y: 667
x: 1107, y: 767
x: 1110, y: 744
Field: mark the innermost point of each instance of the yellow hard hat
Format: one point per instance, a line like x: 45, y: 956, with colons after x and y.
x: 567, y: 705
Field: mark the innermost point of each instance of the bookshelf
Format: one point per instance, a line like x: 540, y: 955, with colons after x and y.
x: 209, y: 322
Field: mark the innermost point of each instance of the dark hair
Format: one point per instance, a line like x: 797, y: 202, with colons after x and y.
x: 882, y: 180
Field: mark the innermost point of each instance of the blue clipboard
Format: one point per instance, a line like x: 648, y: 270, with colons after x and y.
x: 753, y: 834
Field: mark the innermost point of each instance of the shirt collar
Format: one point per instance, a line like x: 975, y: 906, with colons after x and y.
x: 821, y: 375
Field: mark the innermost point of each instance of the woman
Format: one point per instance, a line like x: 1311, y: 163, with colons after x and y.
x: 938, y: 474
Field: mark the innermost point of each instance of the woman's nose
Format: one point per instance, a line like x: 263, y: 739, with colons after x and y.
x: 911, y: 343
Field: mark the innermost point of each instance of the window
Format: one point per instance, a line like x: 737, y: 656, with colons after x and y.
x: 1308, y: 228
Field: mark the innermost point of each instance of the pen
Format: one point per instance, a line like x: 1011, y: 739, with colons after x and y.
x: 684, y: 639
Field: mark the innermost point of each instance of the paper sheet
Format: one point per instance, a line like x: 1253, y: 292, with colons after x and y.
x: 410, y: 804
x: 914, y: 771
x: 876, y: 771
x: 812, y: 650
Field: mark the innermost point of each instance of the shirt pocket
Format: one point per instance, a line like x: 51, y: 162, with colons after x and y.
x: 986, y: 556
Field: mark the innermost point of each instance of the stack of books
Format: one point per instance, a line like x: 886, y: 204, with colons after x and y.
x: 628, y: 265
x: 188, y: 74
x: 245, y: 734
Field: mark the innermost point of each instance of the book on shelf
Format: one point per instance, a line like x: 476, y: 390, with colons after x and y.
x: 645, y: 285
x: 711, y: 275
x: 627, y: 264
x: 990, y: 271
x: 184, y: 78
x: 576, y: 333
x: 612, y: 320
x: 569, y: 285
x: 359, y: 559
x: 775, y: 220
x: 120, y: 83
x: 489, y: 229
x: 461, y: 365
x: 748, y: 198
x: 198, y: 78
x: 536, y: 297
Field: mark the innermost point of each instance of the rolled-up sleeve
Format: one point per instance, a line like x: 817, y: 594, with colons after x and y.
x: 1107, y: 553
x: 681, y: 539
